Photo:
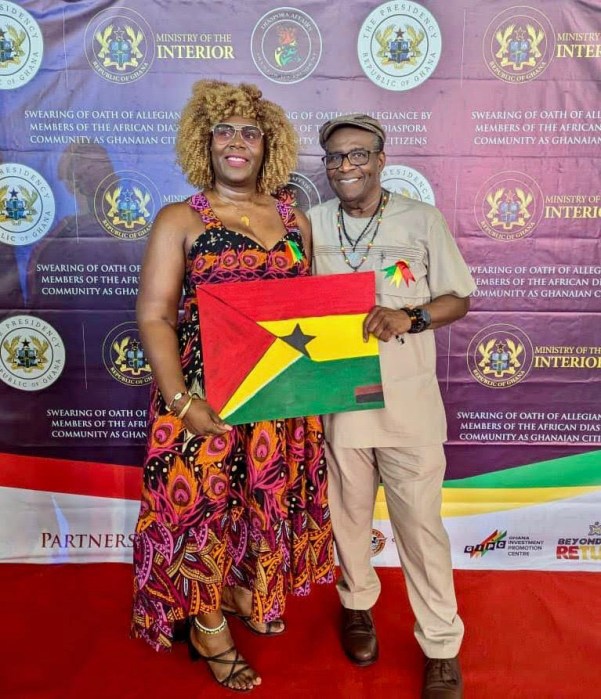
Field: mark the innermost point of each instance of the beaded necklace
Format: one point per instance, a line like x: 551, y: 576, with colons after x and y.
x: 342, y: 231
x: 365, y: 230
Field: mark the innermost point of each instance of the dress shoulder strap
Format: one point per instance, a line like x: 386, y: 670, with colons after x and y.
x: 200, y: 204
x: 286, y: 206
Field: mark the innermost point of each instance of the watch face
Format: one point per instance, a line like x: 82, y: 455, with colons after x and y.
x: 425, y: 316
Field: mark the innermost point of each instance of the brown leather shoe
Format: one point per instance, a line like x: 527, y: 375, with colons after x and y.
x: 442, y: 679
x: 358, y: 634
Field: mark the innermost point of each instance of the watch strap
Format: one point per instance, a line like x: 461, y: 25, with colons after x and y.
x: 420, y: 319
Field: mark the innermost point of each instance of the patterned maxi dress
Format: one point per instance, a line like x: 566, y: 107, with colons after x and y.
x: 245, y: 508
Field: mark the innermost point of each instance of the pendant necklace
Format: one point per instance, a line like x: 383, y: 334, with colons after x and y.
x: 244, y: 218
x: 342, y: 231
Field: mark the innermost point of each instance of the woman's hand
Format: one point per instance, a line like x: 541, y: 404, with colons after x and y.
x: 202, y: 420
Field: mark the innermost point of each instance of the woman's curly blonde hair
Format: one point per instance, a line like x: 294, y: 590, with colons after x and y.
x: 214, y: 101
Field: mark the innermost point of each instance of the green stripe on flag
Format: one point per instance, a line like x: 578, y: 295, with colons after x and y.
x: 567, y: 471
x: 307, y: 387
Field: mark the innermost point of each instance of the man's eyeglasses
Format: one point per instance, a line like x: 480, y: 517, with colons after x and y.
x: 224, y: 133
x: 359, y: 156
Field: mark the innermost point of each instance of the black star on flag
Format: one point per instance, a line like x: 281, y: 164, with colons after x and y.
x: 298, y: 340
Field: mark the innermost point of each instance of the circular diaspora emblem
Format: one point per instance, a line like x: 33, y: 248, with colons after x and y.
x: 305, y: 192
x: 408, y: 182
x: 399, y: 45
x: 119, y: 45
x: 286, y: 45
x: 500, y: 355
x: 124, y: 357
x: 509, y: 206
x: 21, y: 46
x: 518, y: 44
x: 26, y: 205
x: 125, y: 204
x: 32, y: 353
x: 378, y: 542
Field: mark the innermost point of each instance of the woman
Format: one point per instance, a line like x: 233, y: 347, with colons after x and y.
x: 224, y: 524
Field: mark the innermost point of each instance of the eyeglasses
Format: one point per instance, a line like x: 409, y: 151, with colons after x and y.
x: 224, y: 133
x: 359, y: 156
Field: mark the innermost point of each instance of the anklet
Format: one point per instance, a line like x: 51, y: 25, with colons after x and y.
x: 208, y: 631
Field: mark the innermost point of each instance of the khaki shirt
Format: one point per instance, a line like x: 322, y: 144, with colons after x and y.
x: 417, y: 233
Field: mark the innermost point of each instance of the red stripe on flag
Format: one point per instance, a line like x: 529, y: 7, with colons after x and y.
x: 73, y: 477
x: 226, y: 332
x: 363, y: 390
x: 300, y: 297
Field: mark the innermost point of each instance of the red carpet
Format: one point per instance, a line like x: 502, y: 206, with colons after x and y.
x: 65, y: 636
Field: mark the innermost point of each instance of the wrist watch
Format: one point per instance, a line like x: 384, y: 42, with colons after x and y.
x: 420, y: 319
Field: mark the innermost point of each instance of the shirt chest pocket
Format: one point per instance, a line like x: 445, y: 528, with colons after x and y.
x: 403, y: 277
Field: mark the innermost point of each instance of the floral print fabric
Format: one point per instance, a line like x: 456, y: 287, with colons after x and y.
x: 246, y: 508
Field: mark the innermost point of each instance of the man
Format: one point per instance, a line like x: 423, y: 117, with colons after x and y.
x: 422, y: 283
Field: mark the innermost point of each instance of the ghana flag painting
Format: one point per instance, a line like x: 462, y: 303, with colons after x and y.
x: 289, y: 347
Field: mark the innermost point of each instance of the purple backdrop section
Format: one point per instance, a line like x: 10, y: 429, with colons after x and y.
x: 492, y: 113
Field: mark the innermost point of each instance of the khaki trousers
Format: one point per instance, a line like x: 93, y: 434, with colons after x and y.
x: 412, y: 479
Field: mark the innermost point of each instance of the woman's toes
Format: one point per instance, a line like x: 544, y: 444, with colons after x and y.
x: 247, y: 680
x: 277, y: 626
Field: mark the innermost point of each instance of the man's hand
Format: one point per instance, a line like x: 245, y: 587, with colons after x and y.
x: 385, y: 323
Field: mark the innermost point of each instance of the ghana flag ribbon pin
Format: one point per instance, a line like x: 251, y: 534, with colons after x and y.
x: 282, y: 348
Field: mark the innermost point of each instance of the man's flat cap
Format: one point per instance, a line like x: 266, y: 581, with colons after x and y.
x: 358, y: 121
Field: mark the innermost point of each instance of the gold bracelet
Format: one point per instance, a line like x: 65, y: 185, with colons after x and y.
x: 178, y: 396
x: 185, y: 409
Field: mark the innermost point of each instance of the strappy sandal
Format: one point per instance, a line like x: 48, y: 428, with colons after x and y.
x: 181, y: 630
x: 247, y: 621
x: 237, y: 660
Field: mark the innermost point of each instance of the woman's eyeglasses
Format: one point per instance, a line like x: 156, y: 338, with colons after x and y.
x: 224, y: 133
x: 359, y: 156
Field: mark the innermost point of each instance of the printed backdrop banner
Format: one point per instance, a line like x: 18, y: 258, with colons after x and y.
x: 491, y: 111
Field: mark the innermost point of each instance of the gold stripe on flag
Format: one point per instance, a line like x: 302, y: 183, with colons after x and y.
x: 276, y: 359
x: 334, y: 337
